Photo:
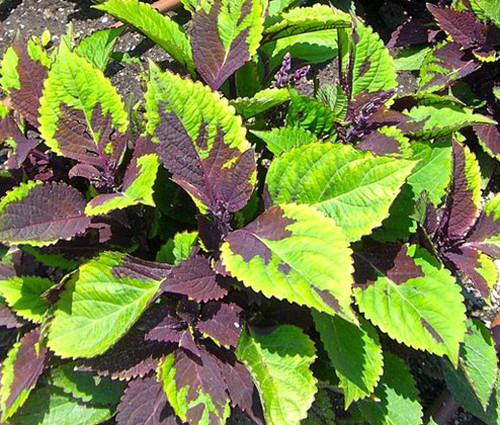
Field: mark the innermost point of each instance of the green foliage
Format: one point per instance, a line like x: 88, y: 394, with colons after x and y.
x: 279, y: 361
x: 98, y: 46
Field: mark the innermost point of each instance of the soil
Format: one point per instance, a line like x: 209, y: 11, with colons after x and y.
x: 32, y: 17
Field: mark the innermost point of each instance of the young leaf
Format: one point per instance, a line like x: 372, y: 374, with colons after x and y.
x: 262, y: 101
x: 41, y: 214
x: 355, y: 352
x: 279, y: 361
x: 107, y: 295
x: 372, y: 67
x: 226, y: 34
x: 282, y: 139
x: 77, y: 103
x: 219, y: 176
x: 23, y: 295
x: 50, y: 405
x: 168, y: 34
x: 275, y: 254
x: 309, y: 114
x: 301, y: 20
x: 402, y: 289
x: 195, y: 388
x: 137, y: 186
x: 20, y: 372
x: 353, y: 187
x: 144, y: 402
x: 397, y: 397
x: 98, y: 46
x: 177, y: 249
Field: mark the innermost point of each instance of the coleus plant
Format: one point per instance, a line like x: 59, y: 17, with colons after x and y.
x: 289, y: 249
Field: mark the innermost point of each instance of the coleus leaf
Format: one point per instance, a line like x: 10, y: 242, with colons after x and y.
x: 25, y: 83
x: 177, y: 249
x: 353, y: 187
x: 262, y: 101
x: 309, y: 114
x: 87, y: 386
x: 279, y: 361
x: 120, y: 285
x: 144, y: 402
x: 221, y: 323
x: 277, y: 6
x: 371, y: 65
x: 397, y: 396
x: 137, y: 185
x: 78, y: 107
x: 15, y: 139
x: 219, y: 176
x: 489, y: 10
x: 20, y: 372
x: 301, y: 20
x: 196, y: 388
x: 50, y: 405
x: 98, y: 46
x: 282, y: 139
x: 168, y: 34
x: 274, y: 255
x: 8, y: 319
x: 194, y: 278
x: 444, y: 117
x: 478, y: 361
x: 355, y: 352
x: 24, y: 295
x: 464, y: 236
x: 444, y: 64
x: 225, y: 35
x: 40, y: 214
x: 401, y: 290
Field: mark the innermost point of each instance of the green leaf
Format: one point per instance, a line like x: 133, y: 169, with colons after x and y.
x: 194, y: 104
x: 310, y: 114
x: 489, y: 9
x: 168, y: 34
x: 98, y: 46
x: 322, y: 411
x: 293, y: 252
x: 137, y: 188
x: 87, y: 386
x: 412, y: 311
x: 355, y: 352
x: 279, y: 361
x: 353, y: 187
x: 177, y: 249
x: 278, y: 6
x: 50, y: 406
x: 372, y: 66
x: 398, y: 397
x: 444, y: 117
x: 301, y: 20
x: 261, y: 102
x: 75, y: 83
x: 411, y: 58
x: 477, y: 363
x: 100, y: 299
x: 23, y: 295
x: 280, y: 140
x: 336, y: 98
x: 9, y: 78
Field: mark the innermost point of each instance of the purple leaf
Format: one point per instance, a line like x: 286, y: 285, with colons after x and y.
x: 144, y: 402
x: 23, y: 145
x: 45, y: 214
x: 141, y: 269
x: 28, y: 366
x: 213, y: 62
x: 460, y: 210
x: 86, y: 171
x: 465, y: 259
x: 194, y: 278
x: 409, y: 33
x: 26, y: 99
x: 221, y: 322
x: 201, y: 375
x: 76, y: 140
x: 391, y: 260
x: 380, y: 144
x: 464, y: 27
x: 223, y: 188
x: 170, y: 329
x: 489, y: 136
x: 8, y: 319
